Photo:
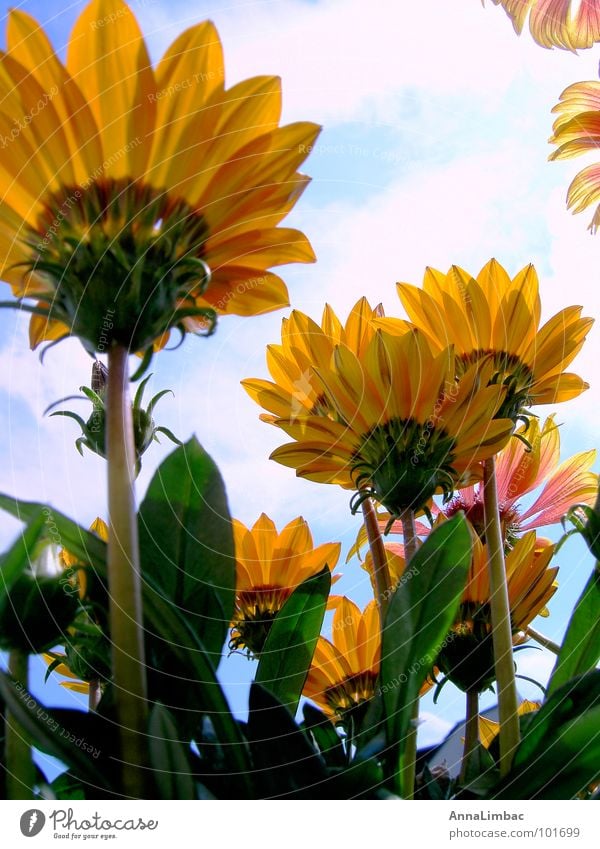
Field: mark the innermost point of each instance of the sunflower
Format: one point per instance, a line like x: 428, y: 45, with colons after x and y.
x: 467, y: 657
x: 520, y: 469
x: 296, y: 388
x: 576, y: 131
x: 269, y: 567
x: 136, y: 199
x: 492, y: 316
x: 556, y: 23
x: 343, y: 674
x: 404, y: 428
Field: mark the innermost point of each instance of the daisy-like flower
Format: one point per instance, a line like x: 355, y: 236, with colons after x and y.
x: 404, y: 428
x: 269, y: 567
x: 296, y: 389
x: 568, y: 24
x: 488, y: 729
x: 137, y: 199
x: 467, y: 657
x: 343, y: 674
x: 576, y: 130
x: 494, y: 316
x: 519, y: 471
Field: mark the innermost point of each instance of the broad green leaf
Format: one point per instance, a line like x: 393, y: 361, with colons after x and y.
x: 14, y: 562
x: 560, y: 752
x: 419, y: 617
x: 289, y: 648
x: 580, y: 650
x: 169, y: 757
x: 66, y: 787
x: 186, y: 541
x: 322, y: 730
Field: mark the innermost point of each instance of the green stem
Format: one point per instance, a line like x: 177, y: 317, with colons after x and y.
x: 544, y: 641
x: 378, y: 553
x: 20, y: 768
x: 126, y: 629
x: 471, y: 731
x: 93, y: 695
x: 409, y: 756
x: 501, y: 624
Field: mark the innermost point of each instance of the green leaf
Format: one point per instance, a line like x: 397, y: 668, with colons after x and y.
x: 186, y: 542
x: 289, y: 648
x: 580, y: 650
x: 559, y: 754
x: 323, y: 732
x: 419, y: 617
x: 66, y: 787
x: 16, y: 560
x: 169, y: 757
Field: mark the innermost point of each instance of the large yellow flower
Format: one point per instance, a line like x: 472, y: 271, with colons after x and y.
x: 467, y: 657
x: 495, y: 316
x: 296, y: 388
x: 556, y: 23
x: 576, y: 131
x: 269, y: 567
x: 133, y: 197
x: 404, y: 428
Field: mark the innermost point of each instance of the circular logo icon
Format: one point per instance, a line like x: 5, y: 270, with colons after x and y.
x: 32, y: 822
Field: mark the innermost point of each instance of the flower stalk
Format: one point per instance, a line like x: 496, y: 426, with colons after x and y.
x: 20, y: 769
x: 378, y: 553
x: 409, y: 757
x: 126, y: 630
x: 471, y: 732
x: 501, y: 624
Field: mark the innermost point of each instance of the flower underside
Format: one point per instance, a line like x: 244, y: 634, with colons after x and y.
x: 475, y: 514
x: 349, y: 698
x: 510, y: 372
x: 123, y: 249
x: 257, y: 608
x: 402, y: 463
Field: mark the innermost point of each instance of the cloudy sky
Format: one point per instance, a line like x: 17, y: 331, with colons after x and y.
x: 434, y: 151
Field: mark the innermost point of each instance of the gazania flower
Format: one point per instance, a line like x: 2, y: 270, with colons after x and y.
x: 568, y: 24
x: 344, y: 671
x: 269, y: 567
x: 136, y: 199
x: 71, y: 562
x: 576, y: 131
x: 467, y: 657
x: 403, y: 428
x: 492, y: 316
x: 521, y: 470
x: 57, y: 664
x: 296, y: 388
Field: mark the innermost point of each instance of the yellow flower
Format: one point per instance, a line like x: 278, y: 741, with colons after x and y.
x: 59, y: 663
x: 467, y: 657
x: 269, y: 567
x: 137, y: 199
x: 296, y: 388
x: 71, y: 562
x: 568, y: 24
x: 404, y: 428
x: 494, y: 316
x: 520, y: 469
x: 576, y: 131
x: 488, y: 729
x: 343, y: 674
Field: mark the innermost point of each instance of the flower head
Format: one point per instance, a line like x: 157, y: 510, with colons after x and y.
x: 568, y: 24
x: 344, y: 671
x: 296, y: 388
x: 495, y: 317
x: 269, y: 566
x: 521, y: 469
x: 403, y: 427
x: 467, y: 657
x: 137, y: 199
x: 576, y: 131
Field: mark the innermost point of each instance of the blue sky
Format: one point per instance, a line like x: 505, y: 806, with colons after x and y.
x: 433, y: 152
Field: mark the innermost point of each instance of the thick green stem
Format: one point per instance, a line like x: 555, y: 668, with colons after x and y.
x: 380, y: 565
x: 20, y: 769
x: 471, y: 731
x: 544, y: 641
x: 501, y: 624
x: 126, y: 627
x: 409, y: 756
